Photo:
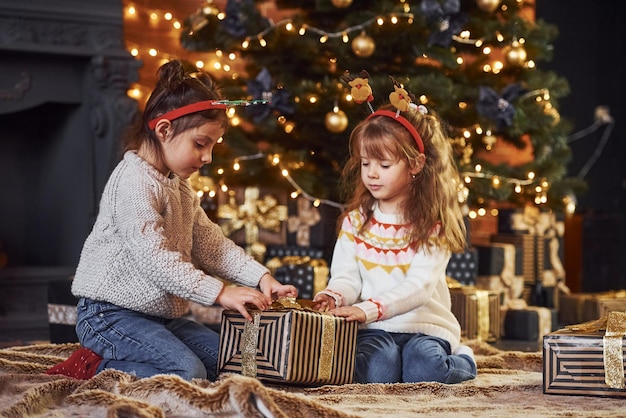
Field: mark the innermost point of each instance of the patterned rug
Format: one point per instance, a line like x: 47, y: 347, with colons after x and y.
x: 509, y: 384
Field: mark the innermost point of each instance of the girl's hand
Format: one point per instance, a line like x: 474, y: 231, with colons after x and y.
x: 351, y: 313
x: 273, y: 288
x: 236, y: 297
x: 323, y: 302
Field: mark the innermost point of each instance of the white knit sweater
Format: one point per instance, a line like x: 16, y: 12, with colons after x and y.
x: 153, y: 247
x: 408, y: 287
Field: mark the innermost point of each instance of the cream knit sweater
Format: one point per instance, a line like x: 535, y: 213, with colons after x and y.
x: 153, y: 249
x: 408, y: 287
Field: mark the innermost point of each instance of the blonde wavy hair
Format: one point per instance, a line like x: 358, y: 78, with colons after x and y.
x: 432, y: 195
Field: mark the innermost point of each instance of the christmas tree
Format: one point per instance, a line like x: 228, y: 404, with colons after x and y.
x: 477, y: 63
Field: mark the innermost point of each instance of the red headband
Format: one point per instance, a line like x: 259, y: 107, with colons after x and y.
x: 185, y: 110
x: 397, y: 117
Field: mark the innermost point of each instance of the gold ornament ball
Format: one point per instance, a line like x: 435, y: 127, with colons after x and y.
x: 488, y: 5
x: 515, y: 55
x: 336, y: 121
x: 341, y: 4
x: 363, y: 46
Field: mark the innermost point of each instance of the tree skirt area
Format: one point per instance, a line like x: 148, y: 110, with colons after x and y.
x: 509, y: 384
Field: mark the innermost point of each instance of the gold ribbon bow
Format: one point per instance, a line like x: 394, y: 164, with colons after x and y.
x: 614, y: 324
x: 250, y: 336
x: 252, y: 214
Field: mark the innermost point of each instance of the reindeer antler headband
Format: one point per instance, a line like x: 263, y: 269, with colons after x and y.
x: 399, y: 98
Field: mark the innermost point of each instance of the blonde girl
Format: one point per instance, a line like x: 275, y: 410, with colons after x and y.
x: 401, y: 224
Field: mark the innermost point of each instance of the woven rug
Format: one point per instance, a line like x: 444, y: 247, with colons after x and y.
x: 509, y: 384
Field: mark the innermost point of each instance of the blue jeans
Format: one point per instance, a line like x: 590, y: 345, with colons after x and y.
x: 383, y: 357
x: 145, y: 345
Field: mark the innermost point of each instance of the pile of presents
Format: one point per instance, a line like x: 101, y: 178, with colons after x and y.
x: 509, y: 284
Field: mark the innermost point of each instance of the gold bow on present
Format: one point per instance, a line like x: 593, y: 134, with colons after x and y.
x: 252, y: 214
x: 308, y: 215
x: 614, y: 324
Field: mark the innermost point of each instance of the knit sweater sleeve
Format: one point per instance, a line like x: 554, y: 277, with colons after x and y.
x: 220, y: 256
x: 139, y: 216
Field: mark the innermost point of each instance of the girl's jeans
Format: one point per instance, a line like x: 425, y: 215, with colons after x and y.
x: 383, y: 357
x: 145, y: 345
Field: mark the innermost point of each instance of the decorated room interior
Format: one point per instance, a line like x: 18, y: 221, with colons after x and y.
x: 533, y: 110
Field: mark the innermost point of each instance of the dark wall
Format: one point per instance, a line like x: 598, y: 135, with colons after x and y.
x: 589, y: 53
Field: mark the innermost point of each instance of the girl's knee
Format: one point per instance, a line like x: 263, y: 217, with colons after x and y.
x: 189, y: 368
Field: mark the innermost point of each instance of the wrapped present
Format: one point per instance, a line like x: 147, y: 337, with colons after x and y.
x: 571, y: 307
x: 311, y: 226
x: 463, y: 267
x: 511, y: 289
x: 586, y: 359
x: 599, y: 304
x: 529, y: 323
x: 478, y: 312
x: 62, y: 311
x: 308, y: 275
x: 500, y: 269
x: 290, y: 343
x: 532, y: 251
x: 578, y: 307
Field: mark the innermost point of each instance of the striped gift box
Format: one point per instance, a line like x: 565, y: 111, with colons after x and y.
x: 573, y: 364
x: 289, y: 346
x: 478, y: 312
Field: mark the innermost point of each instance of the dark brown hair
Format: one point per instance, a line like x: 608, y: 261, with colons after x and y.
x: 179, y: 83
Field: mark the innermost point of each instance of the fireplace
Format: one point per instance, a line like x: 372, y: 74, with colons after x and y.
x: 63, y: 108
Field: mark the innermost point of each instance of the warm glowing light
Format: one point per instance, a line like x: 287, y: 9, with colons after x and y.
x: 478, y: 168
x: 177, y: 25
x: 482, y: 212
x: 168, y: 16
x: 200, y: 64
x: 236, y: 166
x: 284, y: 172
x: 531, y: 175
x: 134, y: 52
x: 380, y: 21
x: 153, y: 52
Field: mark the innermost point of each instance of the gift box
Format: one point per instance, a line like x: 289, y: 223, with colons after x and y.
x: 62, y: 311
x: 587, y: 359
x: 500, y: 258
x: 311, y: 226
x: 478, y: 312
x: 530, y: 323
x: 571, y: 307
x: 578, y: 307
x: 532, y: 249
x: 288, y: 344
x: 511, y: 288
x: 308, y: 275
x: 463, y: 267
x: 602, y: 303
